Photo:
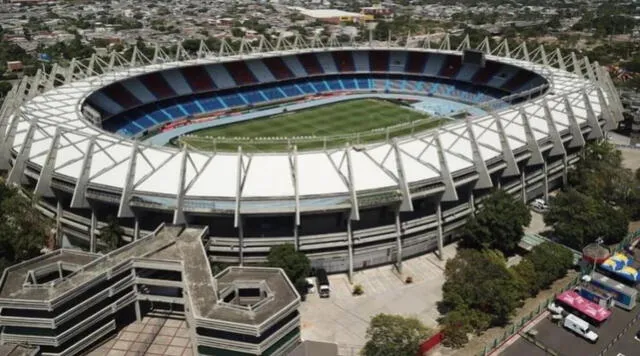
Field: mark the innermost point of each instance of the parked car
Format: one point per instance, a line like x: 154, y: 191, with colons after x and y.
x: 539, y: 205
x: 580, y: 327
x: 555, y: 309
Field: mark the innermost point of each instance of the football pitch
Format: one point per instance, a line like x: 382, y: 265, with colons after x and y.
x: 332, y: 125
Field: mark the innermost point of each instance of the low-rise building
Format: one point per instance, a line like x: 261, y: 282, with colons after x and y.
x: 65, y: 301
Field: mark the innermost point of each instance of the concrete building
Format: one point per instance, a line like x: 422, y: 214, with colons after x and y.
x: 346, y: 208
x: 66, y: 301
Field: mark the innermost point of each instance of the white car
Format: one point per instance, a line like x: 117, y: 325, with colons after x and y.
x: 540, y: 205
x: 555, y: 309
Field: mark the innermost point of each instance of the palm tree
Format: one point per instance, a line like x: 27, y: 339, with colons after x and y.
x: 111, y: 234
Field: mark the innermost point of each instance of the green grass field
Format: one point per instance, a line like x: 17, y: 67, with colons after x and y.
x: 331, y: 125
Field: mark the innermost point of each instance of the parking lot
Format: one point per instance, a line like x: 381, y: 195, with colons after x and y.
x: 564, y: 342
x: 343, y: 318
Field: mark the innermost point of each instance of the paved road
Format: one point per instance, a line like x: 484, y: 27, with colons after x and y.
x: 566, y: 343
x: 627, y: 345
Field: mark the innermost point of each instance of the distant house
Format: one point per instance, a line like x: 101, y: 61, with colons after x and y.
x: 15, y: 66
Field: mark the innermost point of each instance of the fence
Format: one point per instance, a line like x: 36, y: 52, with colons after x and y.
x: 431, y: 343
x: 516, y: 327
x: 519, y: 325
x: 615, y: 339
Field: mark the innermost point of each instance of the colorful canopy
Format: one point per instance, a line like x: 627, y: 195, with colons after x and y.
x: 611, y: 265
x: 622, y: 258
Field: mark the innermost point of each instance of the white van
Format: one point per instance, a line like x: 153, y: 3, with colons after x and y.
x: 580, y: 327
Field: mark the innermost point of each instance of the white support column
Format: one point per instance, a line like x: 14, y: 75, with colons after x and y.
x: 296, y: 238
x: 35, y: 83
x: 136, y: 228
x: 241, y: 240
x: 239, y: 184
x: 350, y: 248
x: 59, y: 232
x: 589, y: 69
x: 440, y: 230
x: 178, y: 214
x: 576, y: 64
x: 560, y: 60
x: 543, y: 55
x: 293, y: 165
x: 16, y: 175
x: 507, y: 153
x: 472, y: 203
x: 355, y: 210
x: 607, y: 113
x: 532, y: 143
x: 398, y: 242
x: 592, y: 119
x: 558, y: 146
x: 92, y: 232
x: 565, y: 170
x: 525, y: 52
x: 577, y: 140
x: 484, y: 179
x: 137, y: 302
x: 523, y: 189
x: 43, y: 186
x: 79, y: 199
x: 403, y: 185
x: 450, y: 193
x: 7, y: 145
x: 546, y: 181
x: 124, y: 210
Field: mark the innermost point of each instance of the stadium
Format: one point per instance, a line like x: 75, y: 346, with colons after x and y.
x: 417, y: 135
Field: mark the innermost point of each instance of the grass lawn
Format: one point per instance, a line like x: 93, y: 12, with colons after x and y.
x: 339, y: 123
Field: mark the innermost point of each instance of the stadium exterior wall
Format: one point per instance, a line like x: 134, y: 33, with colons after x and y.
x: 437, y: 209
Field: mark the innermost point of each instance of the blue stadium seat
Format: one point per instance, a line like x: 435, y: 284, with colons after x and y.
x: 158, y: 114
x: 291, y: 90
x: 320, y: 86
x: 253, y: 97
x: 307, y: 88
x: 232, y: 100
x: 212, y: 104
x: 174, y: 111
x: 349, y: 83
x: 191, y: 108
x: 333, y: 84
x: 273, y: 93
x: 363, y: 83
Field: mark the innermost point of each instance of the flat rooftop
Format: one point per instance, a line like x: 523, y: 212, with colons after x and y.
x: 18, y: 350
x: 93, y: 266
x: 170, y: 243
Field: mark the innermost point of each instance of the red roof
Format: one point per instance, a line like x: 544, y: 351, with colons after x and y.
x: 585, y: 306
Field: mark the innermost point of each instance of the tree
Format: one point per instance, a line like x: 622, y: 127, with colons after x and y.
x: 5, y: 87
x: 498, y: 224
x: 237, y: 32
x: 457, y: 323
x: 23, y: 229
x: 527, y: 277
x: 550, y: 261
x: 578, y: 219
x: 600, y: 174
x: 480, y: 280
x: 111, y: 234
x: 295, y: 264
x: 394, y: 335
